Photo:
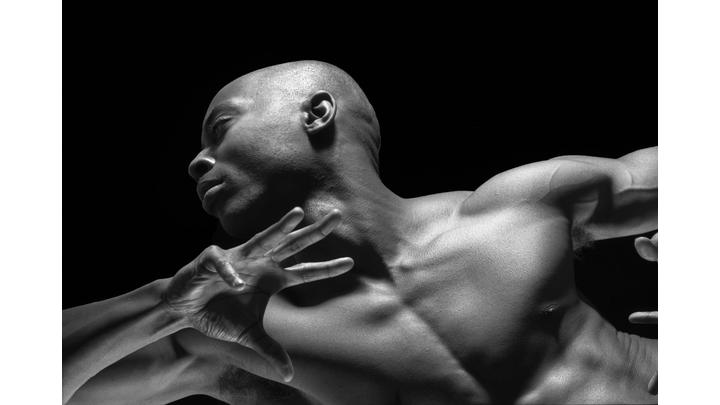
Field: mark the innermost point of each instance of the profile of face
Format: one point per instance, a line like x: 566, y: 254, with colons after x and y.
x: 250, y: 149
x: 256, y: 159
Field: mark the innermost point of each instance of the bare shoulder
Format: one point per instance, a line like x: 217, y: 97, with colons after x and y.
x: 544, y: 182
x: 440, y: 201
x: 438, y: 207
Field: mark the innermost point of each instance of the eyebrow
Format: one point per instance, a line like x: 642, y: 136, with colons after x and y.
x: 226, y: 108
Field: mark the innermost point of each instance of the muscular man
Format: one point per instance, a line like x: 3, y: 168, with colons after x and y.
x: 454, y: 298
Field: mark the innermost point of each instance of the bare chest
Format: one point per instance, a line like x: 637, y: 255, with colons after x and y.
x: 463, y: 315
x: 490, y: 290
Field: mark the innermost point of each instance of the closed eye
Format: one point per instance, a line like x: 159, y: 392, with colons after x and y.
x: 219, y: 127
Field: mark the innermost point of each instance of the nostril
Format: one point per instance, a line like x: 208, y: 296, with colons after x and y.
x: 199, y: 166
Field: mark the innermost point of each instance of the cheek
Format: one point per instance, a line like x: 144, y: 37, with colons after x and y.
x: 256, y: 142
x: 242, y: 151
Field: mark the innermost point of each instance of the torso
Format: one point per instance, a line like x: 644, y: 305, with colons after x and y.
x: 483, y: 309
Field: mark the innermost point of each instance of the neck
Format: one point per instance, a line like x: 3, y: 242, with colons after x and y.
x: 375, y: 222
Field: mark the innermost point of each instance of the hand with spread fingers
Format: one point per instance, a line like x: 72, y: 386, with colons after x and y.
x: 224, y: 293
x: 647, y: 248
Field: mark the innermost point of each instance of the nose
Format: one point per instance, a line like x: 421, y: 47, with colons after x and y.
x: 201, y: 164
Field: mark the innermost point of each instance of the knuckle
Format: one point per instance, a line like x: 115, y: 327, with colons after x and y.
x: 213, y: 250
x: 214, y: 253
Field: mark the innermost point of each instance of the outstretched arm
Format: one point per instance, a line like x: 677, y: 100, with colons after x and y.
x: 99, y: 334
x: 609, y: 198
x: 604, y: 198
x: 222, y: 293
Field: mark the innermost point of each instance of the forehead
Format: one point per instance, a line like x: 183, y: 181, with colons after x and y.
x: 239, y: 93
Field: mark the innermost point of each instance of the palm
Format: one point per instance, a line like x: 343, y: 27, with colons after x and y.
x: 216, y: 321
x: 229, y: 314
x: 224, y: 293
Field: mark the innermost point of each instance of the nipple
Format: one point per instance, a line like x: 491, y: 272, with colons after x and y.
x: 549, y: 309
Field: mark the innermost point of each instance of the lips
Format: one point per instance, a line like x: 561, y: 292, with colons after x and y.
x: 206, y: 189
x: 205, y: 185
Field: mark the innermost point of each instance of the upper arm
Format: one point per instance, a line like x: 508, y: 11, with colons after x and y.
x: 603, y: 197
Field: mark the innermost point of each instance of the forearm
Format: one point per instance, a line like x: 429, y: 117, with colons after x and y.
x: 102, y: 333
x: 85, y: 319
x: 635, y: 203
x: 643, y: 165
x: 612, y: 198
x: 156, y: 374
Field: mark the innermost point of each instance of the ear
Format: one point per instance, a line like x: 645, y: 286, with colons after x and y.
x: 319, y: 111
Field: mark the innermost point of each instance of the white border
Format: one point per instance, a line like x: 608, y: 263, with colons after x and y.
x: 31, y: 212
x: 688, y: 114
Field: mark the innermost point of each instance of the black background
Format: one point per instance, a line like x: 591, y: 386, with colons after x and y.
x: 458, y: 99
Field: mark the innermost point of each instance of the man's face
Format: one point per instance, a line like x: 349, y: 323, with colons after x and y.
x: 252, y: 159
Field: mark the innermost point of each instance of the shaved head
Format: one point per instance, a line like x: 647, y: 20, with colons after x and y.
x: 276, y: 136
x: 295, y: 82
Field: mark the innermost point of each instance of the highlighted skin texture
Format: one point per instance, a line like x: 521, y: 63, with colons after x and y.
x: 464, y: 297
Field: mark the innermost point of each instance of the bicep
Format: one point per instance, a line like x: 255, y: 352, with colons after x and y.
x: 555, y: 182
x: 603, y: 197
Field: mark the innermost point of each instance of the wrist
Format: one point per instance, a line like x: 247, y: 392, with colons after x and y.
x: 166, y: 317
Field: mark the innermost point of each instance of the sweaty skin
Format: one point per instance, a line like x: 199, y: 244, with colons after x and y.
x: 455, y: 298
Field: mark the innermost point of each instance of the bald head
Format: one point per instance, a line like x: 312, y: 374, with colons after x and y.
x: 298, y: 82
x: 275, y: 137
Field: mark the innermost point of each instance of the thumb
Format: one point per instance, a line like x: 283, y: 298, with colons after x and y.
x: 270, y: 350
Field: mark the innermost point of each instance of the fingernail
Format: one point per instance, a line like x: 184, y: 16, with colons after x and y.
x: 287, y: 374
x: 238, y: 282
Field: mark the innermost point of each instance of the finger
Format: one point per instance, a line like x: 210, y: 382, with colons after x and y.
x: 208, y: 261
x: 305, y: 237
x: 644, y: 318
x: 653, y: 385
x: 269, y: 349
x: 646, y: 248
x: 267, y: 239
x: 308, y: 272
x: 229, y: 275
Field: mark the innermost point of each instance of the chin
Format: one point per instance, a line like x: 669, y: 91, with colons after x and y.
x: 237, y: 223
x: 243, y: 219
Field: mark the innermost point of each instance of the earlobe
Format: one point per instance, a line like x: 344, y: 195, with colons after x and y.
x: 319, y: 111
